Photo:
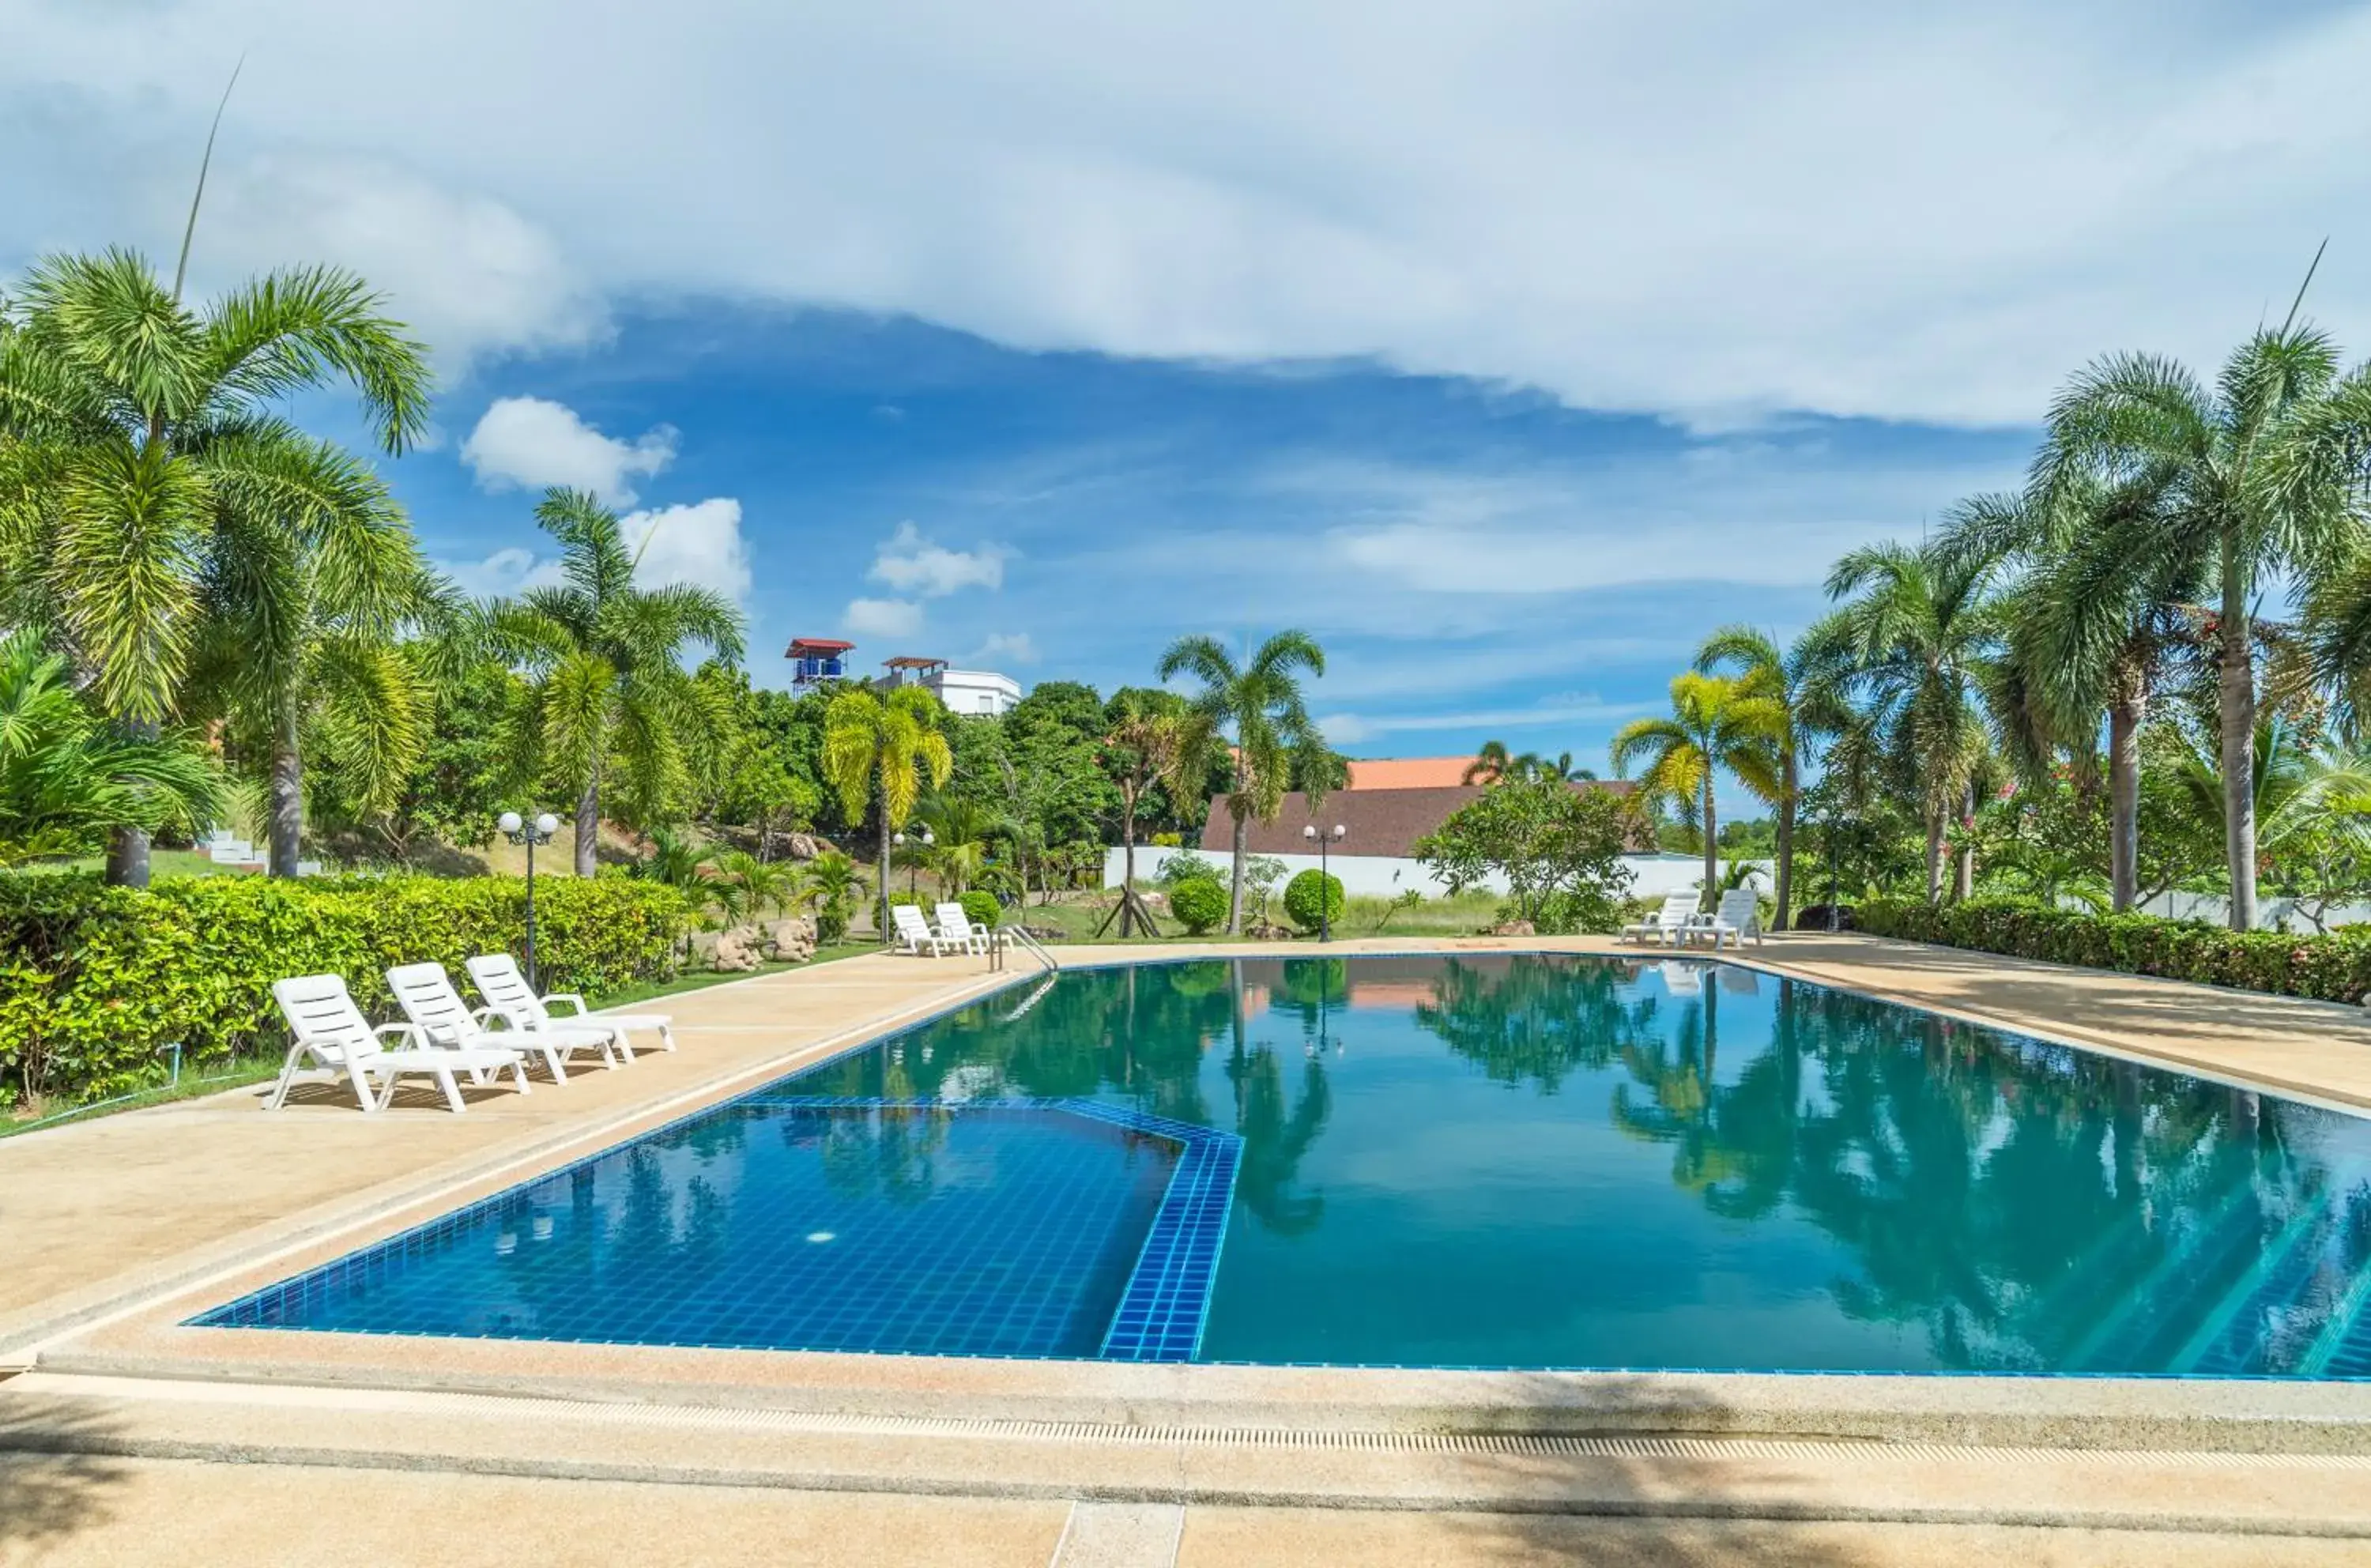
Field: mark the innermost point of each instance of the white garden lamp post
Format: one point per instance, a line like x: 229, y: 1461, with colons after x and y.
x: 1325, y: 904
x: 518, y: 830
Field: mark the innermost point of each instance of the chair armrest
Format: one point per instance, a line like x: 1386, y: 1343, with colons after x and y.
x: 412, y: 1032
x: 486, y: 1017
x: 571, y: 998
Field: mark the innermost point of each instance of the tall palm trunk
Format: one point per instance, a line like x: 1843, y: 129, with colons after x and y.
x: 127, y: 848
x: 2125, y: 716
x: 1127, y: 868
x: 1235, y: 888
x: 881, y: 918
x: 1934, y: 852
x: 287, y: 798
x: 1712, y: 854
x: 588, y: 825
x: 1963, y: 886
x: 1786, y: 889
x: 2239, y: 715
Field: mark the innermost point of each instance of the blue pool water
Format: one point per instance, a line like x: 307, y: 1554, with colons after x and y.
x: 1501, y: 1160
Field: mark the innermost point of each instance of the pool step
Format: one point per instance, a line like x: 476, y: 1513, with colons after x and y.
x: 2342, y: 1349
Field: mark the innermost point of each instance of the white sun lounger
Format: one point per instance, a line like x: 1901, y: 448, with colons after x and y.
x: 331, y: 1030
x: 497, y: 977
x: 955, y: 926
x: 915, y: 932
x: 1670, y: 921
x: 426, y: 995
x: 1739, y: 917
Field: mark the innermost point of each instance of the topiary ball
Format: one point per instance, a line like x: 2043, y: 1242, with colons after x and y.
x: 982, y: 909
x: 1200, y: 901
x: 1313, y: 899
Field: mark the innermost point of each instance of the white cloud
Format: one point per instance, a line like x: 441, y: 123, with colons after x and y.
x: 882, y: 617
x: 502, y: 574
x: 699, y: 544
x: 912, y: 564
x: 1714, y: 210
x: 532, y: 443
x: 1008, y: 648
x: 464, y: 270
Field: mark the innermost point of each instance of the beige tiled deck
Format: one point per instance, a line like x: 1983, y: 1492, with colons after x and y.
x: 102, y: 1221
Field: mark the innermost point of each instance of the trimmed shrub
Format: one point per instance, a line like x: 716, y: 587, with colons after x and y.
x: 1313, y: 899
x: 2335, y: 968
x: 982, y: 909
x: 94, y: 979
x: 1187, y: 866
x: 1199, y: 901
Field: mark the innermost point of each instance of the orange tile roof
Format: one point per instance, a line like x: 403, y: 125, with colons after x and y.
x: 1408, y: 772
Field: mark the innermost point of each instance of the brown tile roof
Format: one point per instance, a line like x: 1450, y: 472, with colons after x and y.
x: 1381, y: 822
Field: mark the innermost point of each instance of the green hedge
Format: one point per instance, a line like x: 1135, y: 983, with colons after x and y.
x: 2332, y: 969
x: 93, y: 979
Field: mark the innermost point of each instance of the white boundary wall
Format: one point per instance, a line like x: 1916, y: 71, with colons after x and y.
x: 1378, y: 876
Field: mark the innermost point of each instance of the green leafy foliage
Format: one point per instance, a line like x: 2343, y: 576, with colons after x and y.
x: 1186, y: 868
x: 2330, y: 968
x: 1199, y: 901
x: 1550, y: 843
x: 982, y: 910
x: 1313, y: 899
x: 94, y: 979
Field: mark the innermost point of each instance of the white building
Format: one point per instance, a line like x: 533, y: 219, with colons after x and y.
x: 962, y: 691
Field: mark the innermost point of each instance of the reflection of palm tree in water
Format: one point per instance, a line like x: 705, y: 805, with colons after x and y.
x: 1275, y: 1141
x: 889, y: 1150
x: 2010, y: 1206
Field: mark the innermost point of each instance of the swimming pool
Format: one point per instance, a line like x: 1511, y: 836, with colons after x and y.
x: 1491, y: 1160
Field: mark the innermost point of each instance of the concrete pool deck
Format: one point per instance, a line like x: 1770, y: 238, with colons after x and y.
x: 118, y: 1227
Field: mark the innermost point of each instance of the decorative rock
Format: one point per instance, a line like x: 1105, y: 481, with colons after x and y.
x: 792, y: 941
x: 703, y: 946
x: 803, y: 845
x: 736, y: 949
x: 1513, y: 928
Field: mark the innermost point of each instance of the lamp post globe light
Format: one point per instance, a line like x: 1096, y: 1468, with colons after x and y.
x: 1324, y: 902
x: 913, y: 871
x: 518, y: 830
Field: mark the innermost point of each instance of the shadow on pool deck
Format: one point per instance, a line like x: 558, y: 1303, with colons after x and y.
x: 55, y: 1473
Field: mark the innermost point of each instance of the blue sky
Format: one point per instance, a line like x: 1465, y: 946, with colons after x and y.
x: 1508, y: 345
x: 1478, y: 561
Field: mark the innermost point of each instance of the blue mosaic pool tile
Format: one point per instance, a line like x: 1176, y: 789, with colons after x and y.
x: 1167, y: 1303
x: 1031, y: 1241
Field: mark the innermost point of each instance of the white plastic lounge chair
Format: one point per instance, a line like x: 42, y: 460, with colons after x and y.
x: 1668, y: 922
x: 497, y: 977
x: 955, y: 926
x: 426, y: 995
x: 330, y: 1029
x: 1739, y: 917
x: 915, y: 932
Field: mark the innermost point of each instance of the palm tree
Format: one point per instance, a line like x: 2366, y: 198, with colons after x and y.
x: 827, y: 884
x: 2101, y: 620
x: 1260, y: 707
x: 1715, y: 723
x: 141, y: 459
x: 1802, y: 682
x: 67, y: 781
x: 1920, y: 635
x: 2255, y: 475
x: 890, y: 742
x: 605, y: 665
x: 961, y: 833
x: 1495, y: 764
x: 302, y: 642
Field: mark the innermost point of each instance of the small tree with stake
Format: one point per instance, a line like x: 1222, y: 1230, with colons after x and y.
x: 1146, y: 746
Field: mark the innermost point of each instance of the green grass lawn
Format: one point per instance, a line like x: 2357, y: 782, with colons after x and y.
x: 217, y: 1077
